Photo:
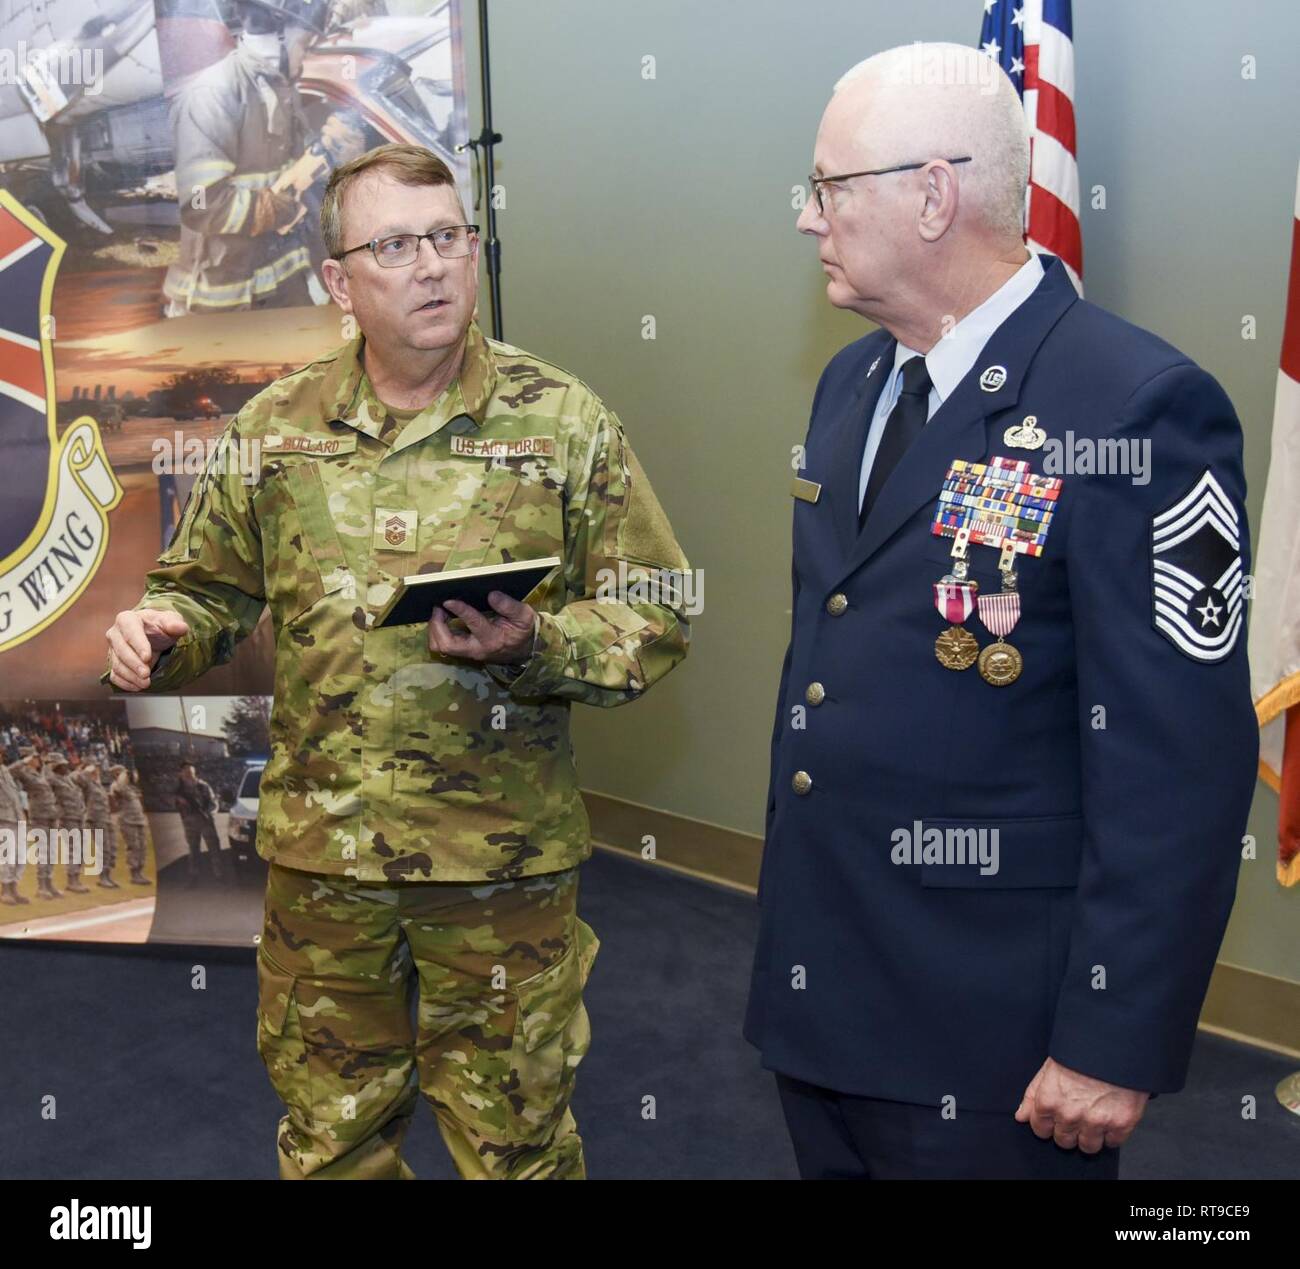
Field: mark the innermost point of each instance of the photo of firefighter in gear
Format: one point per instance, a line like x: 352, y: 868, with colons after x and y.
x: 245, y: 158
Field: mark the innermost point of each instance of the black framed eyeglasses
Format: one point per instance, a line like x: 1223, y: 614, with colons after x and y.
x: 451, y: 242
x: 816, y: 182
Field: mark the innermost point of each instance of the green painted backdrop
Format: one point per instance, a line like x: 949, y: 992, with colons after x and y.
x: 670, y: 197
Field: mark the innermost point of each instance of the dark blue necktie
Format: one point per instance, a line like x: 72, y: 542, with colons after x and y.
x: 902, y: 427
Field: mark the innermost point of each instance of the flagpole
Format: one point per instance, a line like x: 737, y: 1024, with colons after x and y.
x: 487, y: 140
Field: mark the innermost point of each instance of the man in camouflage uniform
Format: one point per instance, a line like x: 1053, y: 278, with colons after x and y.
x: 196, y: 803
x: 124, y: 800
x: 72, y: 820
x: 237, y: 131
x: 11, y: 820
x: 42, y: 815
x: 420, y: 807
x: 99, y: 818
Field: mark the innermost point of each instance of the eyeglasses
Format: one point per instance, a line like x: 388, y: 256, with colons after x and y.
x: 816, y: 182
x: 451, y: 242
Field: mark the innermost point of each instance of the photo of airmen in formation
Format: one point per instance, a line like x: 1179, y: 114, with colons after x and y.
x: 67, y: 773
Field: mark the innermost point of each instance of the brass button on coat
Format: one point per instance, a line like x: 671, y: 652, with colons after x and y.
x: 837, y: 603
x: 815, y: 694
x: 801, y: 782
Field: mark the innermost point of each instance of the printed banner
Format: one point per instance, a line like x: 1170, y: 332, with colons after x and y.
x: 162, y: 168
x: 38, y: 587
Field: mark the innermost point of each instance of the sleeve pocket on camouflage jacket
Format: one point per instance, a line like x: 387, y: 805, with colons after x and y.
x: 183, y: 546
x: 636, y: 528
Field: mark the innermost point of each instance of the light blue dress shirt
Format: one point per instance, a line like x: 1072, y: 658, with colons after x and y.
x: 951, y: 359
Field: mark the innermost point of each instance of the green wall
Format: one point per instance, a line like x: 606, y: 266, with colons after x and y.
x: 671, y: 197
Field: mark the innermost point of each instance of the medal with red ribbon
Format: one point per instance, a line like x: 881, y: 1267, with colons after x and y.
x: 1000, y: 503
x: 954, y: 598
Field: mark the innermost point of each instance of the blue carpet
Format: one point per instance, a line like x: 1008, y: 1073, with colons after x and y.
x: 151, y: 1078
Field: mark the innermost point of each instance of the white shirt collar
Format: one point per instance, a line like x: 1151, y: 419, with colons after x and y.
x: 950, y: 360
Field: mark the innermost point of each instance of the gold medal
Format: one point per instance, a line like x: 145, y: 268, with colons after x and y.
x: 954, y: 599
x: 1000, y: 664
x: 956, y: 648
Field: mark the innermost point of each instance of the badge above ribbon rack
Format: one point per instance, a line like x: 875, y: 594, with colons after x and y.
x: 1003, y: 505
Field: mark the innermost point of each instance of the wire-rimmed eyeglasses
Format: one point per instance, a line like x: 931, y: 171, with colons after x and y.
x: 816, y: 182
x: 451, y: 242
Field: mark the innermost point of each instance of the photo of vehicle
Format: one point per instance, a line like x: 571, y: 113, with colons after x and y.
x: 198, y: 408
x: 241, y: 828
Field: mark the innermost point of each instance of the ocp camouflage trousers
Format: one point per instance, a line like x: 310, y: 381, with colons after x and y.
x: 495, y: 973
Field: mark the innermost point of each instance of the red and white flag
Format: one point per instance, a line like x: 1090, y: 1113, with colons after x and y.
x: 1275, y: 616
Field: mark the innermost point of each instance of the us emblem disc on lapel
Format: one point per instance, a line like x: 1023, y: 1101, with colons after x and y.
x: 1000, y: 664
x: 956, y: 648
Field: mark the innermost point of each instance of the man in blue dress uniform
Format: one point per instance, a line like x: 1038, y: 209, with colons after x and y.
x: 1014, y: 745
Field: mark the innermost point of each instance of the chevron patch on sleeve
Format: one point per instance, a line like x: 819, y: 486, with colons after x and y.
x: 1196, y: 577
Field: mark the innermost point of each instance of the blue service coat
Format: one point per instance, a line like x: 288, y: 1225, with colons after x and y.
x: 1117, y: 769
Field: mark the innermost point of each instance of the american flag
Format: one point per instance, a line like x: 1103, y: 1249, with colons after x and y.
x: 1032, y: 40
